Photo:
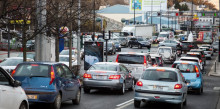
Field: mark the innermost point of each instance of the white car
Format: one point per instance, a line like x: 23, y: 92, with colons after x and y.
x: 65, y: 60
x: 12, y: 95
x: 207, y: 51
x: 194, y: 59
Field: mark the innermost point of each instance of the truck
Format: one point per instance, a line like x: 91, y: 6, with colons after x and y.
x: 145, y: 31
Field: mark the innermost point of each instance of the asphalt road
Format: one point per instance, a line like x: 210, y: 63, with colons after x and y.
x: 106, y: 99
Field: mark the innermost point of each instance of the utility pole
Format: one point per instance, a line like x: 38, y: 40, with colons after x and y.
x: 168, y: 18
x: 160, y: 16
x: 192, y: 18
x: 93, y: 37
x: 219, y: 33
x: 8, y: 40
x: 151, y: 11
x: 70, y: 37
x: 78, y: 38
x: 134, y: 12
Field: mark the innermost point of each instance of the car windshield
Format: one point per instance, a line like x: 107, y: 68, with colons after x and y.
x: 154, y: 75
x: 207, y: 46
x: 64, y: 59
x: 215, y: 43
x: 204, y: 49
x: 32, y: 70
x: 140, y: 39
x: 163, y: 35
x: 163, y: 50
x: 185, y: 43
x: 193, y: 55
x: 29, y: 42
x: 11, y: 62
x: 66, y: 52
x: 131, y: 59
x: 193, y: 60
x: 104, y: 67
x: 185, y: 67
x: 29, y: 55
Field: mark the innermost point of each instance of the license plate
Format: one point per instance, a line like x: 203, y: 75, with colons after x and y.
x: 159, y: 88
x: 32, y: 96
x: 100, y: 77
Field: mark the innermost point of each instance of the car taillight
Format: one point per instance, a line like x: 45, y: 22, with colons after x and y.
x: 190, y: 46
x: 87, y: 75
x: 117, y: 59
x: 114, y: 76
x: 145, y: 61
x: 173, y: 65
x: 197, y: 71
x: 139, y: 83
x: 209, y: 52
x: 178, y: 86
x: 155, y: 65
x: 52, y: 75
x: 13, y: 71
x: 203, y: 55
x: 200, y: 61
x: 210, y: 49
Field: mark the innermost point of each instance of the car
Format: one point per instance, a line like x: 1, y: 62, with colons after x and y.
x: 156, y: 60
x: 182, y: 37
x: 139, y: 42
x: 135, y: 62
x: 29, y: 45
x: 208, y: 53
x: 154, y: 39
x: 202, y: 53
x: 66, y: 52
x: 215, y: 46
x: 187, y: 46
x: 194, y: 59
x: 117, y: 46
x: 65, y: 60
x: 170, y: 43
x: 111, y: 49
x: 123, y: 41
x: 192, y: 72
x: 168, y: 53
x: 161, y: 84
x: 210, y: 48
x: 30, y: 55
x: 108, y: 75
x: 12, y: 95
x: 9, y: 64
x: 163, y: 36
x: 48, y: 82
x: 196, y: 54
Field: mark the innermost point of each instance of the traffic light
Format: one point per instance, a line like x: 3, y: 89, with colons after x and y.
x: 177, y: 14
x: 215, y: 14
x: 158, y: 14
x: 203, y: 14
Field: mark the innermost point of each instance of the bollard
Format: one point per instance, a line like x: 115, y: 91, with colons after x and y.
x: 215, y: 66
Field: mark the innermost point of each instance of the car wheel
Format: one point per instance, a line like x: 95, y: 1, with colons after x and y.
x: 78, y: 97
x: 122, y: 90
x: 185, y: 102
x: 57, y: 102
x: 199, y: 91
x: 130, y: 46
x: 132, y: 86
x: 137, y: 103
x: 205, y: 63
x: 23, y: 106
x: 179, y: 106
x: 86, y: 90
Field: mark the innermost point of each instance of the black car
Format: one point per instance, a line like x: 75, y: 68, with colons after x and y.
x: 201, y: 52
x: 139, y: 42
x: 111, y: 49
x: 117, y: 46
x: 187, y: 46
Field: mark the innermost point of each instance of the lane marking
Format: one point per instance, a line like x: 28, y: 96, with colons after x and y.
x: 125, y: 102
x: 124, y: 105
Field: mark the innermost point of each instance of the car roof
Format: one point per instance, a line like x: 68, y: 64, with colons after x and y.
x: 133, y: 53
x: 189, y: 58
x: 47, y: 63
x: 155, y: 55
x: 196, y: 50
x: 203, y: 47
x: 193, y: 53
x: 186, y: 42
x: 190, y: 62
x: 165, y: 68
x: 165, y: 47
x: 111, y: 63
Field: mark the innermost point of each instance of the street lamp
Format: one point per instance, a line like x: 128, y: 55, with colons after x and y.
x: 151, y: 11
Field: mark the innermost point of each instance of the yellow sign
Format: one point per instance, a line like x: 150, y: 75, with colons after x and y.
x: 20, y: 21
x: 195, y: 17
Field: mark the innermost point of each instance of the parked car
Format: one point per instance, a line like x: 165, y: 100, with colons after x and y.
x: 108, y: 75
x: 48, y: 82
x: 196, y: 54
x: 161, y: 84
x: 29, y: 45
x: 156, y: 60
x: 168, y: 54
x: 139, y: 42
x: 193, y: 59
x: 9, y: 64
x: 117, y: 46
x: 135, y: 62
x: 170, y: 43
x: 208, y: 53
x: 111, y: 49
x: 215, y: 46
x: 192, y: 72
x: 187, y: 46
x: 210, y: 48
x: 202, y: 53
x: 30, y: 55
x: 12, y: 95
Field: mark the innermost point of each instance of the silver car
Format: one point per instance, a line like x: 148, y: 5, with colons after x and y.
x: 161, y: 84
x: 108, y: 75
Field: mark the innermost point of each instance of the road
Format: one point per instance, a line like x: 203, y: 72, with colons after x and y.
x: 106, y: 99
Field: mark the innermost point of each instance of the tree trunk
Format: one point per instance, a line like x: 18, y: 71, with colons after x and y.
x: 24, y: 42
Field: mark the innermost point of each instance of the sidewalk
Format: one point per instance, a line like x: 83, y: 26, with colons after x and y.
x: 215, y: 70
x: 4, y: 54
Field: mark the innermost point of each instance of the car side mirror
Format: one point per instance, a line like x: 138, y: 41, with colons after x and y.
x: 16, y: 83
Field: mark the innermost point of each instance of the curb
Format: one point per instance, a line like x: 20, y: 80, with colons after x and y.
x: 212, y: 69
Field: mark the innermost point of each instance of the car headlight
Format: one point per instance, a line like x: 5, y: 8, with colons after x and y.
x: 119, y: 46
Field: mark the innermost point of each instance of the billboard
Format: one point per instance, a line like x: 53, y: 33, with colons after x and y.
x: 147, y: 5
x: 93, y: 53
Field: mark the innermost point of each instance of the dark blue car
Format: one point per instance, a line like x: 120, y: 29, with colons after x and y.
x: 47, y: 82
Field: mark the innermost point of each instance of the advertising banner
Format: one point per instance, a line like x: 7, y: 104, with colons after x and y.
x: 147, y: 5
x: 93, y: 53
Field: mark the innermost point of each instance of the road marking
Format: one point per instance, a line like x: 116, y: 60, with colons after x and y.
x: 125, y: 102
x: 216, y: 88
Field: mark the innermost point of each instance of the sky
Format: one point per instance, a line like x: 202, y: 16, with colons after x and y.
x: 215, y: 2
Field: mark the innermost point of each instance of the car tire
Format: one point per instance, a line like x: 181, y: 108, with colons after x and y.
x: 185, y: 102
x: 86, y: 90
x: 179, y: 106
x: 78, y: 98
x: 23, y: 106
x: 122, y: 90
x: 199, y: 91
x: 205, y: 63
x: 137, y: 103
x: 132, y: 86
x: 57, y: 103
x: 130, y: 46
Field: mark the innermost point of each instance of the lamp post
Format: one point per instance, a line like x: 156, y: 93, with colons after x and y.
x: 192, y: 17
x: 151, y: 11
x: 160, y: 16
x: 93, y: 37
x: 134, y: 12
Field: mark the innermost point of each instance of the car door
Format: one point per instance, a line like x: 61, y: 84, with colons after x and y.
x: 71, y: 82
x: 9, y: 95
x: 126, y: 75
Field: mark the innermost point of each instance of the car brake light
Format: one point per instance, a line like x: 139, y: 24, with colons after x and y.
x: 197, y: 71
x: 34, y: 65
x: 184, y: 63
x: 173, y: 65
x: 52, y: 75
x: 13, y: 71
x: 114, y: 76
x: 200, y: 61
x: 87, y: 75
x: 190, y: 46
x: 178, y: 86
x: 161, y: 70
x: 210, y: 49
x: 145, y: 61
x: 117, y: 59
x: 203, y: 55
x: 139, y: 83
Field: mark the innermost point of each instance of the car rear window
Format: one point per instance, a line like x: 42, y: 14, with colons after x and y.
x: 189, y: 60
x: 154, y: 75
x: 186, y: 43
x: 131, y: 59
x: 185, y: 68
x: 205, y: 49
x: 103, y: 67
x: 32, y: 70
x: 193, y: 55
